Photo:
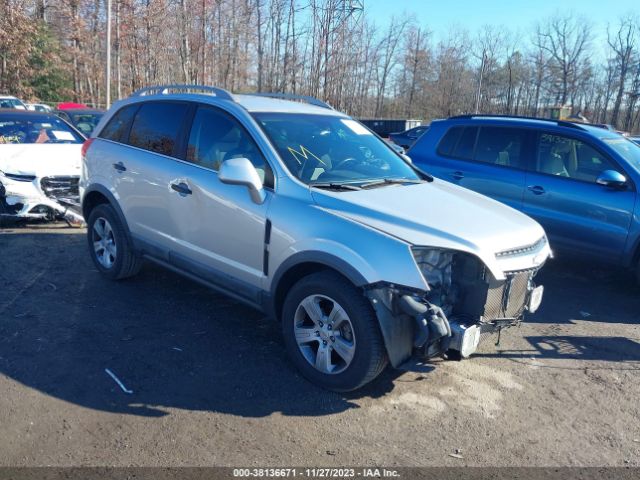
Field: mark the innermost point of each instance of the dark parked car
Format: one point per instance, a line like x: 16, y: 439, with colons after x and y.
x: 579, y: 181
x: 385, y: 126
x: 407, y: 138
x: 83, y: 119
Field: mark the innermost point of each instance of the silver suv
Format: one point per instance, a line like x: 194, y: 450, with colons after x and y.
x: 300, y: 211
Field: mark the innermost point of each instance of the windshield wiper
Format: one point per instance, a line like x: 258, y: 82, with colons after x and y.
x: 390, y: 181
x: 335, y: 186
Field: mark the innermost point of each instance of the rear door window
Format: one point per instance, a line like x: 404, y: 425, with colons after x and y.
x: 501, y: 146
x: 157, y: 125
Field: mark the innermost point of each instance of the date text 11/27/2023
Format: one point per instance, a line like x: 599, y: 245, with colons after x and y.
x: 315, y: 472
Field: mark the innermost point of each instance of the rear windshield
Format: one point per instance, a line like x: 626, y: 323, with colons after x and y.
x: 36, y: 129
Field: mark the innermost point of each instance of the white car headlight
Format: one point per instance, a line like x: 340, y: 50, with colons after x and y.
x: 18, y: 177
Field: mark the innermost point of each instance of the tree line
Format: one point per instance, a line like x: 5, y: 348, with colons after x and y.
x: 54, y: 50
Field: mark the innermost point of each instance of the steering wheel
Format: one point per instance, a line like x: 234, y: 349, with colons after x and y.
x: 345, y: 161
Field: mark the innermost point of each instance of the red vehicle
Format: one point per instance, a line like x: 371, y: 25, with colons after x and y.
x: 71, y: 106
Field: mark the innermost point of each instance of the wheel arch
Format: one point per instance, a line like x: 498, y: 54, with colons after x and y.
x: 302, y: 264
x: 97, y: 194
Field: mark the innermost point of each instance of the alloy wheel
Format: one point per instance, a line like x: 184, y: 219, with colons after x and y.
x: 104, y: 242
x: 324, y: 334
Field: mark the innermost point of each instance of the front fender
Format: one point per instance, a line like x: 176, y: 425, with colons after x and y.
x: 362, y: 254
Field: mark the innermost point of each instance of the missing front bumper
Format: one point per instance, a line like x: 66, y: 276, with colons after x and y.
x: 411, y: 325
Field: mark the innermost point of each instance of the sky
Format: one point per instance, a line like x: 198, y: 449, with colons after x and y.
x: 440, y: 15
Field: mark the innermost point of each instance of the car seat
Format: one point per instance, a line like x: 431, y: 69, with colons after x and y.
x: 245, y: 148
x: 85, y: 128
x: 554, y: 162
x: 209, y: 148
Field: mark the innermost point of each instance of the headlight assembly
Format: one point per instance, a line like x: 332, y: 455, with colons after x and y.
x: 435, y: 266
x: 18, y: 177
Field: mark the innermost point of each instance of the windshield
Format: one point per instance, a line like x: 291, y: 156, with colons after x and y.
x: 36, y: 129
x: 85, y: 122
x: 629, y: 150
x: 321, y: 149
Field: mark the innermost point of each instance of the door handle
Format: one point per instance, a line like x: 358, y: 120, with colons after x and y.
x: 182, y: 188
x: 120, y: 167
x: 457, y: 175
x: 536, y: 189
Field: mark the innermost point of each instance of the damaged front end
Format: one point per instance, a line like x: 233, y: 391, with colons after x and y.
x: 463, y: 301
x: 28, y: 197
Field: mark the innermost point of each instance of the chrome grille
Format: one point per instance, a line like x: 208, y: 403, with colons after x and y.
x: 61, y: 187
x: 507, y: 299
x: 522, y: 250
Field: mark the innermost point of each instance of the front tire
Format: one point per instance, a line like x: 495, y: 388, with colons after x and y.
x: 331, y: 333
x: 109, y: 244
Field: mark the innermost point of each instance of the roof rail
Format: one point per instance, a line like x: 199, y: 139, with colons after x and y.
x: 291, y: 96
x: 561, y: 123
x: 166, y: 89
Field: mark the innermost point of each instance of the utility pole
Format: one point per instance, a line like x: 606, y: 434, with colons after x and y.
x: 108, y: 92
x: 479, y: 92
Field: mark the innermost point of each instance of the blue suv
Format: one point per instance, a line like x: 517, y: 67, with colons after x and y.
x: 578, y: 181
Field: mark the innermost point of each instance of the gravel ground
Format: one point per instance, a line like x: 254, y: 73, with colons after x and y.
x: 212, y: 385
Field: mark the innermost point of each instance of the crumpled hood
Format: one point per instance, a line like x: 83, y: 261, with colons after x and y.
x: 40, y: 160
x: 437, y: 214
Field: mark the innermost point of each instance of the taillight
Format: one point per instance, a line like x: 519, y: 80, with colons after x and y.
x: 85, y: 146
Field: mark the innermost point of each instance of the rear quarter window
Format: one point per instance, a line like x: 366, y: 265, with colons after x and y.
x: 118, y: 127
x: 459, y: 142
x: 465, y: 147
x: 157, y: 125
x: 449, y: 141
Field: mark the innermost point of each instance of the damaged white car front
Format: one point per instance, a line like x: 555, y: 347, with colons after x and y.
x: 39, y: 167
x: 27, y: 196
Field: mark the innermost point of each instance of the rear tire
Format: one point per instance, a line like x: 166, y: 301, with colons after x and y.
x: 339, y: 345
x: 110, y: 246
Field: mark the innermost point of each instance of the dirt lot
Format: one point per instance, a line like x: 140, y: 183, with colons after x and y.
x: 212, y: 386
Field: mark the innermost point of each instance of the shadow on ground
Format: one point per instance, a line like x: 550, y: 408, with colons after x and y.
x: 578, y: 291
x: 563, y: 347
x: 172, y: 342
x: 176, y: 344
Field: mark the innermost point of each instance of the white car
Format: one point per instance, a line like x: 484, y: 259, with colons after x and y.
x: 38, y: 107
x: 39, y: 166
x: 8, y: 101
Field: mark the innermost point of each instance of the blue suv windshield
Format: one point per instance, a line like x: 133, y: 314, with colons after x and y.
x: 627, y: 149
x: 321, y: 149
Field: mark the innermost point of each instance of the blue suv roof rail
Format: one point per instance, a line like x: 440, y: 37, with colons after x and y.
x: 561, y: 123
x: 291, y: 96
x: 167, y: 89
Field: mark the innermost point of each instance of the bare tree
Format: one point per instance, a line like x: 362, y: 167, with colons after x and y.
x: 623, y: 45
x: 566, y: 39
